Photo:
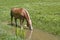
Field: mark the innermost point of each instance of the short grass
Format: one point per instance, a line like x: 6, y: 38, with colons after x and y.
x: 45, y: 15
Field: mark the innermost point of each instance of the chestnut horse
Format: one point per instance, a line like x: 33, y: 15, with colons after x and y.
x: 21, y: 14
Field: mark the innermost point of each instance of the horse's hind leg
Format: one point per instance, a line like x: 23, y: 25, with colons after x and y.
x: 21, y: 22
x: 16, y: 22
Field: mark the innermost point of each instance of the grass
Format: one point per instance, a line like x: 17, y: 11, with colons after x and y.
x: 45, y: 15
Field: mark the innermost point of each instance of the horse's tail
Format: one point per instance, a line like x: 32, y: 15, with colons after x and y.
x: 11, y: 13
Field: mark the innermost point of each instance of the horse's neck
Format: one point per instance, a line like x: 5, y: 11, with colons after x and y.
x: 28, y: 18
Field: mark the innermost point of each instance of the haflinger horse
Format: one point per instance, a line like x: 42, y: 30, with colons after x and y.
x: 21, y: 14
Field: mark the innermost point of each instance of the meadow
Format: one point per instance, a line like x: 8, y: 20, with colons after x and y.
x: 45, y: 16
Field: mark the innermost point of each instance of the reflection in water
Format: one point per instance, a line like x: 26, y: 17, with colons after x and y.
x: 20, y: 33
x: 28, y: 34
x: 24, y: 34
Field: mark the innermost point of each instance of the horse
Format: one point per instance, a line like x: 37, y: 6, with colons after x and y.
x: 21, y: 14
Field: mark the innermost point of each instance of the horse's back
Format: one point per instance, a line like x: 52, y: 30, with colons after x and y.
x: 17, y: 12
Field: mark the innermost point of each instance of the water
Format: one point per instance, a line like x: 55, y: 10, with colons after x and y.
x: 39, y: 35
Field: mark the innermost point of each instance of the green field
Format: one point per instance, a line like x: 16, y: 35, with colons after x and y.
x: 45, y: 15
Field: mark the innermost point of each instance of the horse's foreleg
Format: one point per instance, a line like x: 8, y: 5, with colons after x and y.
x: 21, y: 23
x: 16, y: 22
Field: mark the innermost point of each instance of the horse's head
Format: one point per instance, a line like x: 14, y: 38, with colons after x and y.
x: 29, y: 24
